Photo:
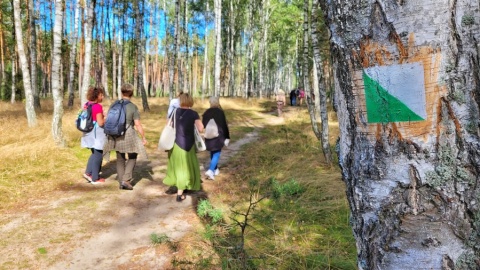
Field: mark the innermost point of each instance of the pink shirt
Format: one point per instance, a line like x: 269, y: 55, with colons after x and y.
x: 96, y: 109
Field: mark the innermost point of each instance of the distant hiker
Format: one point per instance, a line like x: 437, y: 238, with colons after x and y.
x: 215, y: 116
x: 301, y: 96
x: 281, y: 100
x: 95, y: 139
x: 174, y: 103
x: 293, y: 97
x: 183, y: 170
x: 128, y: 144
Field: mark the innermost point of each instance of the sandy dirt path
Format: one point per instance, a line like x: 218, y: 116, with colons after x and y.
x: 84, y: 226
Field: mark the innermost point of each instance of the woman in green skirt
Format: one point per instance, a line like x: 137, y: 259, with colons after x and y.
x: 183, y: 170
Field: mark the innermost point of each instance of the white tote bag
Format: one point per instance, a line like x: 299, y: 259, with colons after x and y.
x: 199, y: 143
x: 211, y: 130
x: 167, y: 138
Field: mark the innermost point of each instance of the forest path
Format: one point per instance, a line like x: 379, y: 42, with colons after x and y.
x: 85, y: 226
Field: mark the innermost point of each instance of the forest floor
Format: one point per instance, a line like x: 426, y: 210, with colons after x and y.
x: 85, y: 226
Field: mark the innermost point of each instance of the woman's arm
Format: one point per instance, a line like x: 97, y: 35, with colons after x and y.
x: 139, y: 128
x: 199, y: 125
x: 100, y: 119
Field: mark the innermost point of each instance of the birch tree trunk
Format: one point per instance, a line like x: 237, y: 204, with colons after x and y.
x: 27, y: 83
x: 13, y: 88
x: 407, y: 99
x: 306, y: 71
x: 57, y: 92
x: 73, y: 56
x: 218, y: 44
x: 90, y: 5
x: 321, y: 97
x: 33, y: 55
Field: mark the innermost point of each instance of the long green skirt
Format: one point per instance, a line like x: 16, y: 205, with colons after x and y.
x: 183, y: 170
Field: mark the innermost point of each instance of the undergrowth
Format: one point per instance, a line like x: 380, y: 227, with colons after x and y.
x: 283, y: 207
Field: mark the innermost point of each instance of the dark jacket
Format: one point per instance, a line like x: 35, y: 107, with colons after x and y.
x: 218, y: 115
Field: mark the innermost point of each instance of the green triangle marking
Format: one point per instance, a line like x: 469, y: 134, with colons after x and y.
x: 383, y: 107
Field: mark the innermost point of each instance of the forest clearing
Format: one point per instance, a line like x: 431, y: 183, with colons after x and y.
x: 51, y: 218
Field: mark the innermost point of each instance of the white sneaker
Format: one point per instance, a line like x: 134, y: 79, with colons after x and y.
x: 88, y: 177
x: 210, y: 175
x: 217, y: 172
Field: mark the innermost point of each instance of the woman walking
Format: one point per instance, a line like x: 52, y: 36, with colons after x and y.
x: 128, y: 145
x: 215, y: 145
x: 94, y: 139
x: 183, y: 170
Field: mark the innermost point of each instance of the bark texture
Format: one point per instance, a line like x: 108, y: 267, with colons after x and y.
x: 57, y: 131
x: 27, y: 83
x: 412, y: 186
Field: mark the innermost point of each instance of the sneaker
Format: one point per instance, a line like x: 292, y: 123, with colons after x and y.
x: 210, y: 174
x: 99, y: 180
x: 88, y: 177
x: 217, y: 172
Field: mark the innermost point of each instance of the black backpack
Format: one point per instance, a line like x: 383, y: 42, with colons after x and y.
x: 85, y: 118
x: 116, y: 122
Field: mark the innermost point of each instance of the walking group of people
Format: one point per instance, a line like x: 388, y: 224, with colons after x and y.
x: 295, y: 94
x: 183, y: 170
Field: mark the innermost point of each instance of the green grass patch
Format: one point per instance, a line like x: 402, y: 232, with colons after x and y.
x: 301, y: 216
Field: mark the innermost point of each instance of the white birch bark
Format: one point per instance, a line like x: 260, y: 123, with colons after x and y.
x: 320, y: 92
x: 73, y: 55
x: 57, y: 92
x: 412, y: 186
x: 27, y: 83
x: 88, y: 50
x: 13, y: 88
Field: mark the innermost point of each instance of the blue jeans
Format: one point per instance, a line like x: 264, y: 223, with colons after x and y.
x: 214, y: 158
x: 94, y: 163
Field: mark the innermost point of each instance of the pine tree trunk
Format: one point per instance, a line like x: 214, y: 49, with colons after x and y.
x: 27, y: 83
x: 406, y: 76
x: 120, y: 70
x: 140, y: 63
x: 205, y: 53
x: 218, y: 44
x: 57, y: 92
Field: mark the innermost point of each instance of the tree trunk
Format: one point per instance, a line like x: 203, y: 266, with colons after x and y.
x: 321, y: 97
x: 73, y: 56
x: 14, y: 79
x: 90, y: 6
x: 140, y: 63
x: 33, y: 55
x: 407, y: 99
x: 57, y: 92
x: 218, y: 44
x: 205, y: 53
x: 173, y: 59
x: 27, y: 83
x: 306, y: 71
